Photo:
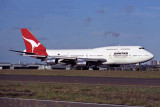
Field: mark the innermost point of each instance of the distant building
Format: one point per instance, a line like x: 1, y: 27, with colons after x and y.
x: 23, y: 66
x: 153, y: 62
x: 5, y: 65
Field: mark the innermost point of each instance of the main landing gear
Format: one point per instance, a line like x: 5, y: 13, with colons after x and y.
x: 137, y: 67
x: 69, y: 67
x: 87, y: 68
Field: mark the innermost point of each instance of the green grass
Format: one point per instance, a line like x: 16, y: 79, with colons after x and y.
x: 123, y: 74
x: 80, y: 93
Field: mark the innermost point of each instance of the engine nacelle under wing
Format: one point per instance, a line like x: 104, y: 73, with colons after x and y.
x: 52, y: 61
x: 81, y: 62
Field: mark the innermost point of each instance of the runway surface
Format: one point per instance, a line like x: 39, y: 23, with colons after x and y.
x: 106, y: 81
x: 21, y: 102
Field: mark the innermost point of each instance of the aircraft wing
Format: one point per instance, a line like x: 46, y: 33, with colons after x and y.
x: 84, y: 59
x: 64, y: 59
x: 94, y: 60
x: 74, y: 60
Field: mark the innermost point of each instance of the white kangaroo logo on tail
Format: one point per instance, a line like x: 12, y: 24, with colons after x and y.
x: 33, y: 43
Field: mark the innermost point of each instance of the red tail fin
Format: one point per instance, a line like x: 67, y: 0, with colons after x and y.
x: 32, y: 44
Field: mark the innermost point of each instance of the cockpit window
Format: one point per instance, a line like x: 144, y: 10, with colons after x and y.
x: 141, y: 48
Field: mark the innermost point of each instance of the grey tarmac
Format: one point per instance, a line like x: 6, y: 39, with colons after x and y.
x: 21, y: 102
x: 107, y: 81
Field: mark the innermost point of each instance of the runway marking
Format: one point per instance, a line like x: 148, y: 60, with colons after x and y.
x: 54, y: 101
x: 120, y: 85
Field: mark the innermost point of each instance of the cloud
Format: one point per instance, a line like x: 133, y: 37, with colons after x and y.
x: 129, y: 9
x: 42, y: 38
x: 154, y: 8
x: 19, y: 28
x: 88, y: 20
x: 29, y: 28
x: 16, y: 28
x: 109, y: 33
x: 100, y: 11
x: 146, y: 14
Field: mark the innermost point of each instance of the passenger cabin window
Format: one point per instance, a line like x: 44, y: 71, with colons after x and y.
x: 111, y: 49
x: 125, y: 49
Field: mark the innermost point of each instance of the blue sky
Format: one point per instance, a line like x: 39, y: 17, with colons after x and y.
x: 66, y: 24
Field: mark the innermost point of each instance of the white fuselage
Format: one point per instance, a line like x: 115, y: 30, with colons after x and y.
x: 112, y: 54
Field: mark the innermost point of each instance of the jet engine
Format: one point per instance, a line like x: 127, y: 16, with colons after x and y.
x: 81, y: 62
x: 52, y: 61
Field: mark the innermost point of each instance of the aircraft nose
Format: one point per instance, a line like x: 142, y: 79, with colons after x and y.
x: 151, y: 56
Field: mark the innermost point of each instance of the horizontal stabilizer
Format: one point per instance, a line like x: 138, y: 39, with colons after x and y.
x: 37, y: 56
x: 29, y: 53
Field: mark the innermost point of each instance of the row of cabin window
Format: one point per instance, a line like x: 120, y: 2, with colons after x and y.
x: 119, y: 53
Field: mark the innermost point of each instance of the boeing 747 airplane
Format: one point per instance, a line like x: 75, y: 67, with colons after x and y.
x: 112, y: 55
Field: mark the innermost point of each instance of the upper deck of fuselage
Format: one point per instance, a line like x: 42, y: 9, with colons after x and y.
x: 120, y: 47
x: 100, y: 49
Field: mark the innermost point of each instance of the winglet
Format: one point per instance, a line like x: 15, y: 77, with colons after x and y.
x: 32, y: 44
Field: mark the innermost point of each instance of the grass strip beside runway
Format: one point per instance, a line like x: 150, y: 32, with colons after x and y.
x: 79, y: 93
